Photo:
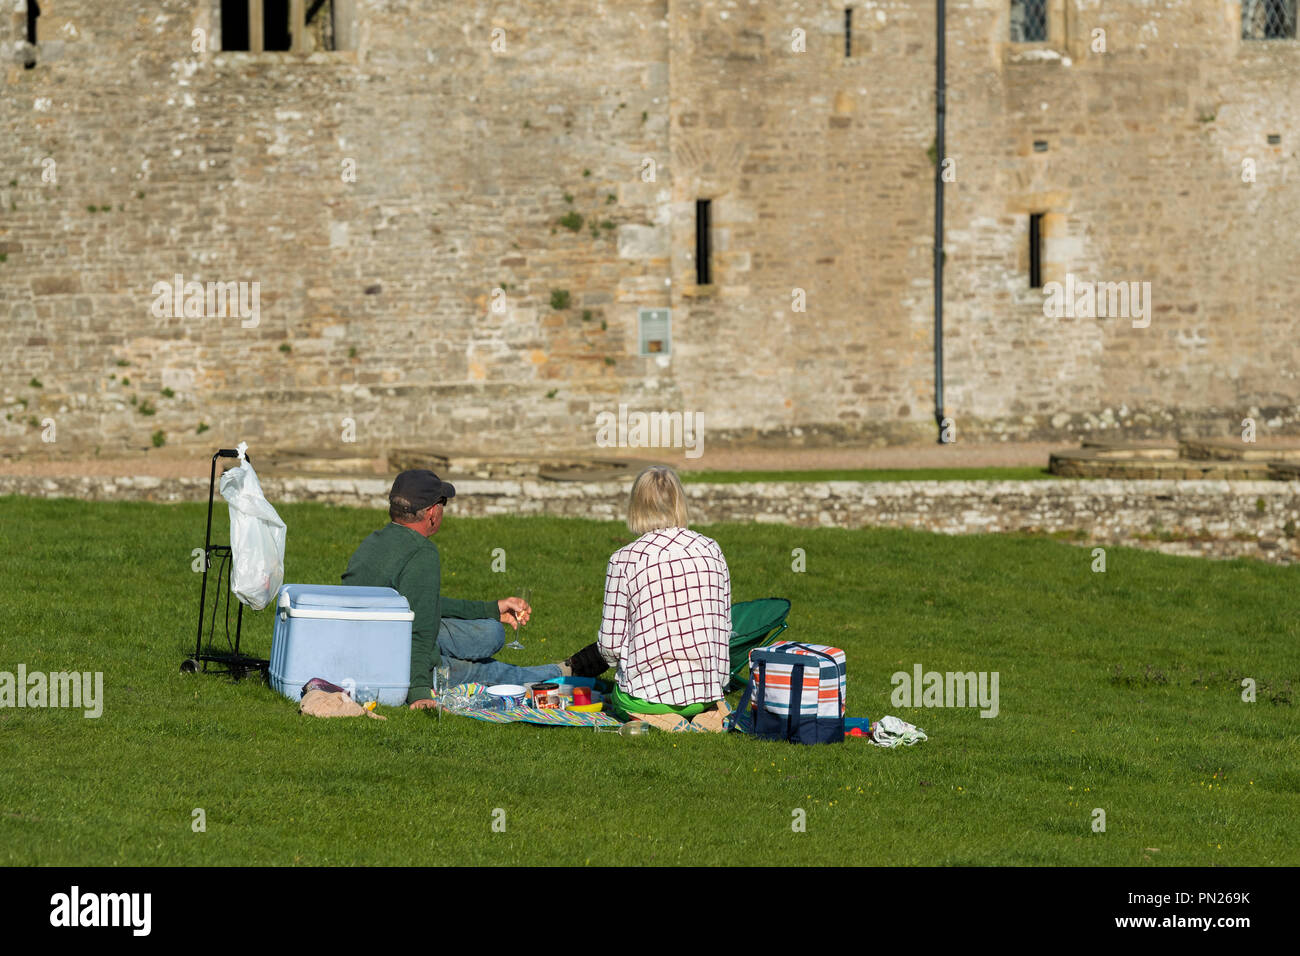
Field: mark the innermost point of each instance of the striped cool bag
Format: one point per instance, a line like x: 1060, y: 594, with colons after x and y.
x: 816, y: 673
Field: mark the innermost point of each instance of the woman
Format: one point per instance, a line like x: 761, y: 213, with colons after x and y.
x: 667, y: 618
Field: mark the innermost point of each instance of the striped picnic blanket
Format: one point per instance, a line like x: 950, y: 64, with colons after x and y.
x: 549, y: 718
x: 533, y: 715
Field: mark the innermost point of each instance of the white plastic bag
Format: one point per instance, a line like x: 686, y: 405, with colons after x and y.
x: 891, y: 732
x: 256, y: 536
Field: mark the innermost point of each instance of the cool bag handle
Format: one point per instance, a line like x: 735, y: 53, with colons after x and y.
x: 734, y: 719
x: 794, y: 716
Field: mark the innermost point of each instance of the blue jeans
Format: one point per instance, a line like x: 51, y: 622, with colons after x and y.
x: 468, y: 646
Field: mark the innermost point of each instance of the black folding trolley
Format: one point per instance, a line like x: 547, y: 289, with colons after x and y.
x: 236, y: 664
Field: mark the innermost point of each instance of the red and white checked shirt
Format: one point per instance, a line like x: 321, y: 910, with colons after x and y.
x: 667, y: 617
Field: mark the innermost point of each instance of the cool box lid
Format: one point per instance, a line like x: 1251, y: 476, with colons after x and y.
x: 343, y: 602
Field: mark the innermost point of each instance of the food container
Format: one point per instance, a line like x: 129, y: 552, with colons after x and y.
x: 510, y: 695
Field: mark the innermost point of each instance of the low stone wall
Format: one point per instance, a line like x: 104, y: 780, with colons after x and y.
x: 1215, y: 518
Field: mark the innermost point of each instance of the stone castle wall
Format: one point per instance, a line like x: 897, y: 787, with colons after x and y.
x: 376, y: 296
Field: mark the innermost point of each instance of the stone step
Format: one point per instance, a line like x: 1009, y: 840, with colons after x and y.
x: 1112, y: 463
x: 546, y: 467
x: 1234, y: 449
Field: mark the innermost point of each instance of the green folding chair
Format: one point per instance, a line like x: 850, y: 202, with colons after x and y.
x: 753, y: 624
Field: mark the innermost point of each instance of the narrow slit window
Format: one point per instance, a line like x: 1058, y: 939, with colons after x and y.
x: 234, y: 25
x: 1035, y: 250
x: 277, y: 35
x: 703, y: 213
x: 848, y: 32
x: 29, y: 57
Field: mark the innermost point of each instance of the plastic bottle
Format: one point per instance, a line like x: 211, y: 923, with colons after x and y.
x: 633, y: 728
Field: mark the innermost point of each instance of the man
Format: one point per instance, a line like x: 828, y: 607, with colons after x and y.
x: 462, y: 634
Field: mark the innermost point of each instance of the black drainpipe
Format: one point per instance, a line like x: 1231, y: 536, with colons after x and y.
x: 939, y: 110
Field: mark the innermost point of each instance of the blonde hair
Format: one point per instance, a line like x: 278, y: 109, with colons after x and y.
x: 658, y: 501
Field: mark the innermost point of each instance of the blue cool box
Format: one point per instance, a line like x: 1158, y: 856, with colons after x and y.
x: 342, y: 634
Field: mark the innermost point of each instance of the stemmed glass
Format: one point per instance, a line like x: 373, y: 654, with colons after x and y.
x: 526, y: 595
x: 441, y: 684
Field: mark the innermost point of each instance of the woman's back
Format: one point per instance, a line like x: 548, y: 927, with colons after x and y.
x: 667, y: 617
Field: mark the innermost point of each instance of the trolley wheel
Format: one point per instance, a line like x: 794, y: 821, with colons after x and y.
x: 189, y: 666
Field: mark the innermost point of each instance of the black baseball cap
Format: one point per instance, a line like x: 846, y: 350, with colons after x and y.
x: 421, y: 488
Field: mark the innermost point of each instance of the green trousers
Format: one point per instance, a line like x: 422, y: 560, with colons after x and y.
x: 625, y: 706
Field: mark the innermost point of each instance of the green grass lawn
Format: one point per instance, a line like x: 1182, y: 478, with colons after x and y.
x: 1118, y: 691
x: 871, y: 474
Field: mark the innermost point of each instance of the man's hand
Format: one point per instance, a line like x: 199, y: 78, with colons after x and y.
x: 514, y: 611
x: 427, y: 704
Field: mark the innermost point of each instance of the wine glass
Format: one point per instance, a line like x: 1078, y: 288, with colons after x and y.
x: 526, y: 595
x: 441, y: 684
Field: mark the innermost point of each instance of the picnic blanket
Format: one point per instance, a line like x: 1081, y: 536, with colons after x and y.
x: 531, y: 715
x: 534, y: 715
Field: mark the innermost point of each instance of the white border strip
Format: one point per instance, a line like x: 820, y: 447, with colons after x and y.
x: 340, y: 614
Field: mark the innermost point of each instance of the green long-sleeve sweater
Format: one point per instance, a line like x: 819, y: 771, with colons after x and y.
x: 397, y: 557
